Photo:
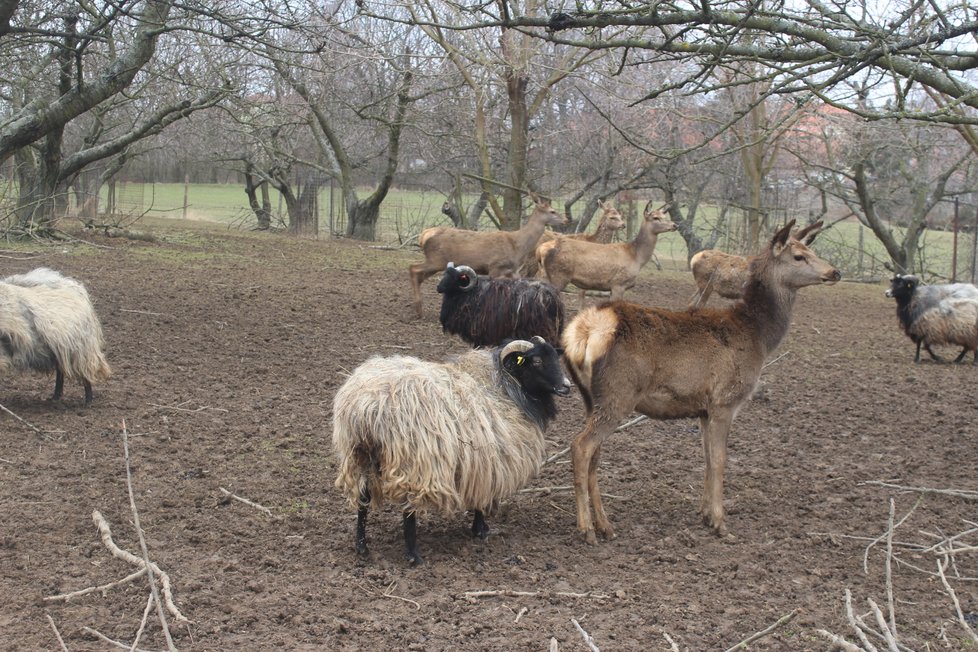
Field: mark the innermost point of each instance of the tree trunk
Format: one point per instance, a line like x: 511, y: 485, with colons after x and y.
x: 263, y: 209
x: 516, y: 83
x: 362, y: 220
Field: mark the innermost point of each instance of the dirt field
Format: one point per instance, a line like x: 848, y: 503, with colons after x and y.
x: 227, y: 349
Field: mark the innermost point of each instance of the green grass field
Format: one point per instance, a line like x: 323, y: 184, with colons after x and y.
x: 406, y: 213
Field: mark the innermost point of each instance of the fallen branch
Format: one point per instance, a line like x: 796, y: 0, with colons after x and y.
x: 57, y: 634
x: 388, y: 593
x: 954, y: 600
x: 471, y: 596
x: 840, y: 642
x: 119, y: 553
x: 29, y: 425
x: 183, y: 409
x: 587, y: 637
x: 142, y: 542
x: 99, y: 635
x: 959, y: 493
x: 764, y: 632
x: 520, y: 615
x: 260, y: 508
x: 103, y: 589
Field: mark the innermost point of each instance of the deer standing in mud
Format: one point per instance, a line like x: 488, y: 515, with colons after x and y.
x: 700, y: 363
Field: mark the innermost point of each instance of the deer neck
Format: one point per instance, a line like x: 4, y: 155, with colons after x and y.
x: 526, y: 238
x: 644, y: 244
x: 767, y: 308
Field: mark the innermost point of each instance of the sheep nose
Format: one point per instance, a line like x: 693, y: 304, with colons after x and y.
x: 564, y: 389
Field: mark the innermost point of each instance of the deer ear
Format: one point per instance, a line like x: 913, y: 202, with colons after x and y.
x: 535, y: 197
x: 780, y: 238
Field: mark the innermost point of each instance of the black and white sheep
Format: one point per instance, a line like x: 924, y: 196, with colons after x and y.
x: 47, y: 323
x: 487, y: 311
x: 446, y: 437
x: 937, y: 314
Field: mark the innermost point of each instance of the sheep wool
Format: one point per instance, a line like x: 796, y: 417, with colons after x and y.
x: 433, y: 436
x: 47, y: 323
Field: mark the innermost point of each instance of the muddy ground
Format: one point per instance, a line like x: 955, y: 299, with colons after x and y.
x: 227, y: 349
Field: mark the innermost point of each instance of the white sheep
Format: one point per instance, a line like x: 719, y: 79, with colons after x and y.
x: 444, y: 437
x: 47, y: 323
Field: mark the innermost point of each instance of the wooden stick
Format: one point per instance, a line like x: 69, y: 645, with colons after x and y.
x: 473, y: 595
x: 553, y: 645
x: 925, y: 490
x: 840, y: 642
x: 65, y: 597
x: 888, y: 532
x: 160, y: 611
x: 857, y: 624
x: 57, y: 634
x: 889, y: 566
x: 260, y: 508
x: 587, y: 637
x: 954, y: 600
x: 29, y: 425
x: 764, y: 632
x: 125, y: 555
x: 142, y: 623
x: 99, y: 635
x: 520, y: 615
x: 884, y: 628
x: 672, y: 644
x: 388, y: 594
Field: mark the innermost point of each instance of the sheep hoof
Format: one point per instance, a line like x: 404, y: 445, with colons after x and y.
x: 362, y: 550
x: 414, y: 559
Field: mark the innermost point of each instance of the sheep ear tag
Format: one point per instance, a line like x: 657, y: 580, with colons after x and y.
x: 519, y: 360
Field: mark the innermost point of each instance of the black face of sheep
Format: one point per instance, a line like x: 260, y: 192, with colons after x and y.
x: 538, y: 370
x: 457, y: 279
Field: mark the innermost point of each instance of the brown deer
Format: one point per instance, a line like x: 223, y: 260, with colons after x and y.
x: 610, y: 223
x: 500, y: 254
x: 697, y: 363
x: 726, y: 274
x: 594, y: 266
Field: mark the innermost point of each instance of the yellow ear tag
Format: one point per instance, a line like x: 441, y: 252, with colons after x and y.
x: 519, y: 360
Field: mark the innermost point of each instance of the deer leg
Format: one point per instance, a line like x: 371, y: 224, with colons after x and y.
x: 715, y: 427
x: 583, y: 299
x: 584, y: 448
x: 418, y: 273
x: 479, y: 527
x: 602, y: 524
x: 360, y: 540
x: 411, y: 538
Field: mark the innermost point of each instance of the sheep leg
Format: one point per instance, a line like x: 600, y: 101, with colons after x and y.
x: 715, y: 427
x: 88, y: 392
x: 602, y: 524
x: 961, y: 355
x: 936, y: 357
x: 411, y: 539
x: 479, y: 527
x: 59, y: 385
x: 360, y: 540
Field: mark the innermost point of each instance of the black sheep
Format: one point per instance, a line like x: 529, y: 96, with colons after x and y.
x: 937, y: 314
x: 484, y: 311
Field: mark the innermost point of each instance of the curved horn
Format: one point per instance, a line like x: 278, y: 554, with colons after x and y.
x: 470, y: 273
x: 514, y: 347
x: 538, y: 339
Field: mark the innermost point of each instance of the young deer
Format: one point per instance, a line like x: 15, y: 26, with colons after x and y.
x: 500, y: 254
x: 666, y: 365
x: 593, y: 266
x: 726, y: 274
